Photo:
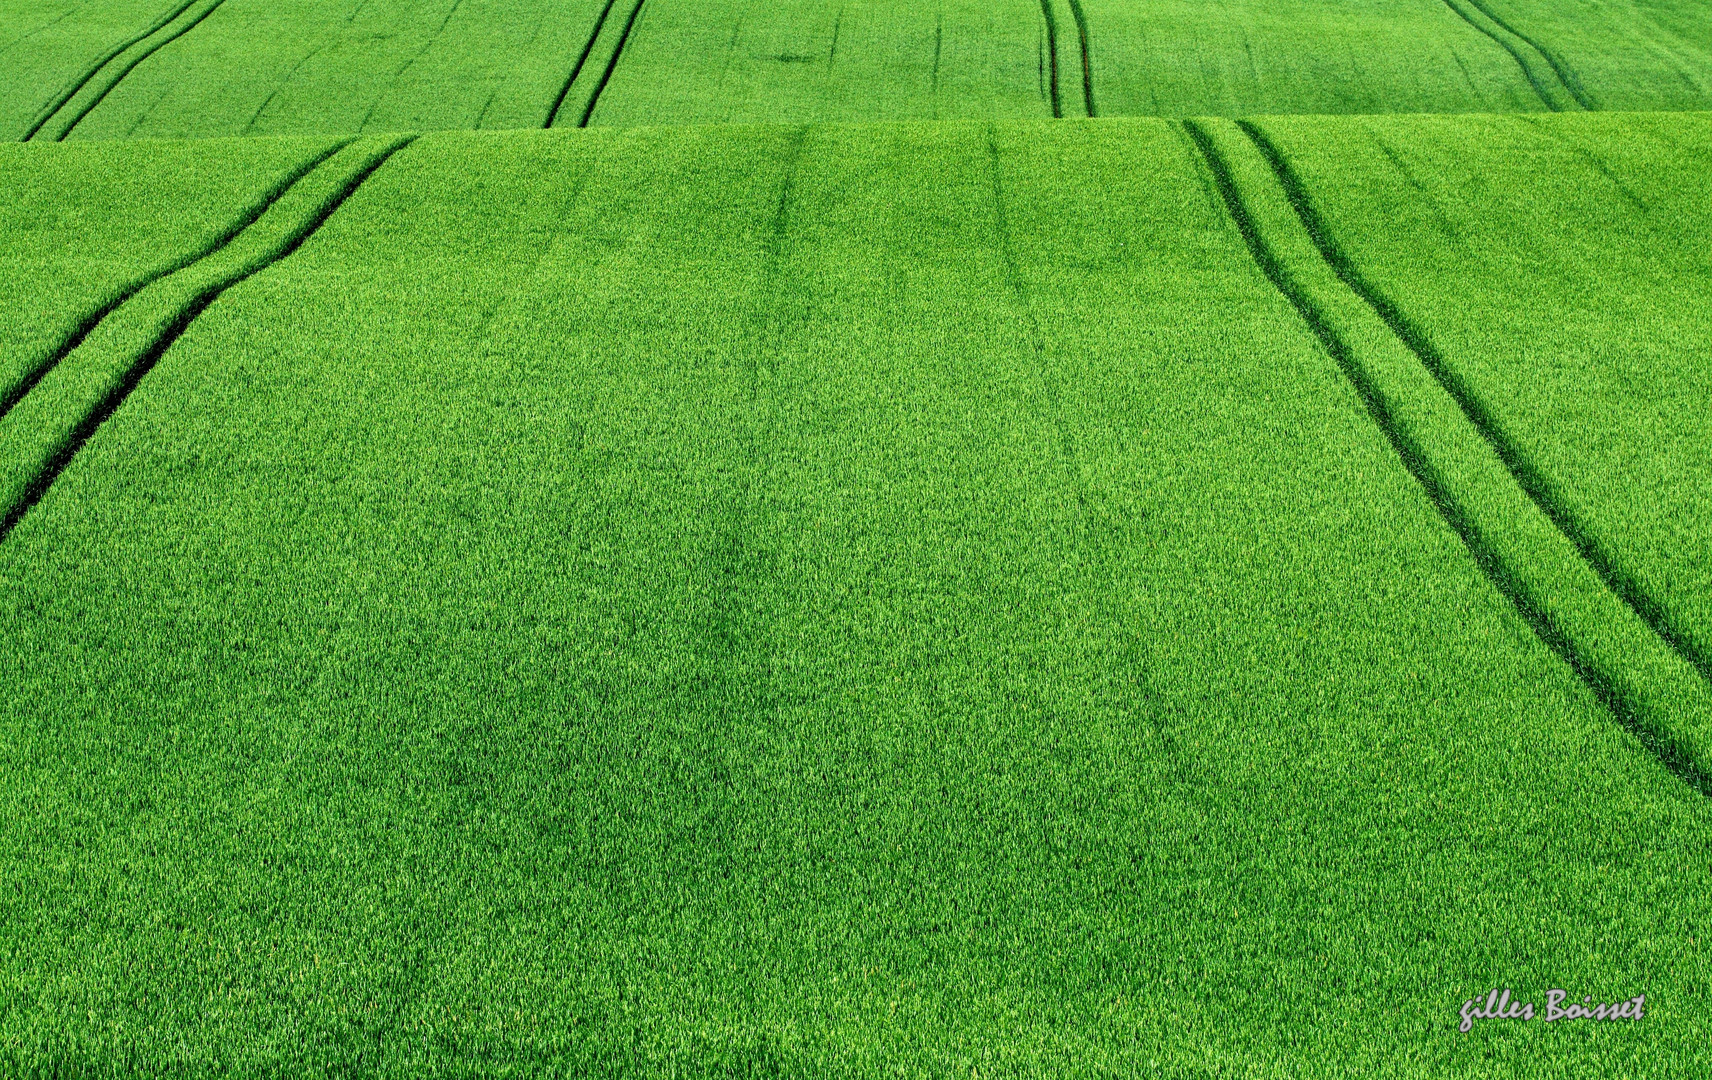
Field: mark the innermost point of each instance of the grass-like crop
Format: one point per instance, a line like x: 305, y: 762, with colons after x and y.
x: 245, y: 67
x: 76, y: 241
x: 820, y: 601
x: 1555, y: 272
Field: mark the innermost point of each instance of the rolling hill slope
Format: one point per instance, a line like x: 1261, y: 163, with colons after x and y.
x: 829, y: 600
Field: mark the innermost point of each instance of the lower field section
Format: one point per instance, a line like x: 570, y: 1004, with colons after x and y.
x: 910, y: 600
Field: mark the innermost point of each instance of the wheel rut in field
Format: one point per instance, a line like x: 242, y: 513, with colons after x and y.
x: 612, y: 64
x: 70, y: 90
x: 130, y: 64
x: 36, y: 449
x: 10, y: 398
x: 1571, y: 82
x: 1051, y: 58
x: 1649, y: 687
x: 577, y: 68
x: 1518, y: 45
x: 1526, y: 474
x: 1087, y: 65
x: 582, y: 89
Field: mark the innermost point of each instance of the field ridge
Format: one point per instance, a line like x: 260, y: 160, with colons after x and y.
x: 41, y: 437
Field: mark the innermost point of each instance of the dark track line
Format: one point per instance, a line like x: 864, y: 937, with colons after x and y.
x: 611, y: 64
x: 1052, y: 56
x: 94, y: 69
x: 1087, y: 65
x: 1515, y: 54
x: 170, y: 334
x: 1565, y: 76
x: 1529, y: 477
x: 89, y: 322
x: 1614, y: 697
x: 577, y: 68
x: 132, y: 66
x: 938, y: 45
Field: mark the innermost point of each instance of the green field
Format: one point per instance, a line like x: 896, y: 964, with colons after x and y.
x: 963, y: 540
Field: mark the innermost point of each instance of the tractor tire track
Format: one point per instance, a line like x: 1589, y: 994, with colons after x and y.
x: 612, y: 64
x: 577, y: 68
x: 1617, y: 698
x: 1528, y: 476
x: 1504, y: 43
x: 1087, y: 67
x: 1052, y: 57
x: 82, y: 80
x: 89, y: 322
x: 1571, y: 82
x: 131, y: 66
x: 186, y: 312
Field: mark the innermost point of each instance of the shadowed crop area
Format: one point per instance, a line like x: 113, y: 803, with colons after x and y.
x: 847, y: 539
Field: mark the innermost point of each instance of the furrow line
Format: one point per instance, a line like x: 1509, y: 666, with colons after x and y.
x: 1052, y: 57
x: 611, y: 64
x: 88, y: 397
x: 85, y: 326
x: 1647, y: 687
x: 1529, y: 477
x: 132, y: 66
x: 577, y: 68
x: 92, y: 70
x: 1564, y: 75
x: 1515, y: 54
x: 1087, y: 65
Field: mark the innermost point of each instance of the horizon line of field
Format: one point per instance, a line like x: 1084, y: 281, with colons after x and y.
x: 1618, y: 694
x: 41, y: 469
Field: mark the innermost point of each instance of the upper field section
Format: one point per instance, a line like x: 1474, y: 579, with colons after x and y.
x: 105, y: 69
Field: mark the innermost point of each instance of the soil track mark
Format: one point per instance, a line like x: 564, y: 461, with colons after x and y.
x: 194, y: 305
x: 1615, y: 697
x: 1538, y: 488
x: 1052, y: 56
x: 94, y: 69
x: 577, y: 68
x: 1087, y: 66
x: 90, y: 321
x: 612, y: 64
x: 131, y: 65
x: 1540, y: 88
x: 1564, y: 74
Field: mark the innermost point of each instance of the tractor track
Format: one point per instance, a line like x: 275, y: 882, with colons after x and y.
x: 1528, y: 476
x: 1617, y: 699
x: 187, y: 313
x: 132, y: 65
x: 89, y: 322
x: 612, y: 64
x: 82, y: 80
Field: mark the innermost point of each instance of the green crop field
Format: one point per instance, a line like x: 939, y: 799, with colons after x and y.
x: 848, y: 539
